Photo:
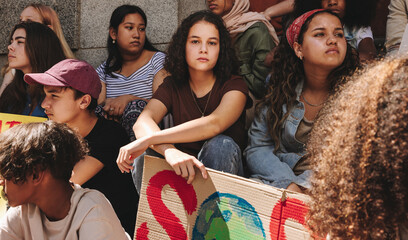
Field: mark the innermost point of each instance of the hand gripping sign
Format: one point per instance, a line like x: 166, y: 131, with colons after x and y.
x: 224, y: 206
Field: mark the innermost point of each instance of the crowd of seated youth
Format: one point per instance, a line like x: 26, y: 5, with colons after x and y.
x: 242, y: 100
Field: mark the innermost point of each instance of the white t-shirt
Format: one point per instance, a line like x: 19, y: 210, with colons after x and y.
x: 355, y: 35
x: 91, y: 216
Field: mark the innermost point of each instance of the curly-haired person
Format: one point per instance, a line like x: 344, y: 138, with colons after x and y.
x: 205, y: 99
x: 306, y: 69
x: 36, y: 162
x: 359, y: 154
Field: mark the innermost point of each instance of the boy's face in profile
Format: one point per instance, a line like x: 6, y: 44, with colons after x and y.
x: 17, y: 193
x: 60, y: 104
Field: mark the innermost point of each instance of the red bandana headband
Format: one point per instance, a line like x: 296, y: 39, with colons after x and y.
x: 292, y: 34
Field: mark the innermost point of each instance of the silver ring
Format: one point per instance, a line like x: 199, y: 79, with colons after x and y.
x: 111, y: 109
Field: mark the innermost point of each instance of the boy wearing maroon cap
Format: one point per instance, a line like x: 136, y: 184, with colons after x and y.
x: 71, y: 91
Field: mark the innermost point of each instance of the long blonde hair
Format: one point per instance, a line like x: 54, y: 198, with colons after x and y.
x: 50, y: 17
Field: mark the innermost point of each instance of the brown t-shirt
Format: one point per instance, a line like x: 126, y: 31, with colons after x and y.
x: 180, y: 103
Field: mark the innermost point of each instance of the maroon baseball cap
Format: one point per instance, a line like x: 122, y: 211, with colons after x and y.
x: 69, y: 73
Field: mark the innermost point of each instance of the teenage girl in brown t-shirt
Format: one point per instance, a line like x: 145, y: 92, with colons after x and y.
x: 200, y: 60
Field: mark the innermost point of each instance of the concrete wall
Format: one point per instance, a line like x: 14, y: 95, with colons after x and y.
x: 85, y: 22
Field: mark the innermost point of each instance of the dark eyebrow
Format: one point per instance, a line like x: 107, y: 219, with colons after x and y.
x: 19, y: 37
x: 212, y: 38
x: 322, y: 29
x: 318, y: 29
x: 131, y: 23
x: 54, y: 90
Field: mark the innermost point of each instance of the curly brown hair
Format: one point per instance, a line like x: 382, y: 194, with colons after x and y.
x: 176, y: 64
x: 359, y: 154
x: 287, y: 72
x: 31, y: 147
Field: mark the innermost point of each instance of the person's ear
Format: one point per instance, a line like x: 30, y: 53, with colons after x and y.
x: 298, y: 50
x: 85, y: 101
x: 112, y: 33
x: 37, y: 176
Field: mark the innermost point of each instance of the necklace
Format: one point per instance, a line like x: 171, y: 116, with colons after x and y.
x: 199, y: 109
x: 310, y: 104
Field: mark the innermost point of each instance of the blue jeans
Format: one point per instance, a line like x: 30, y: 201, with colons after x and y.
x: 220, y: 153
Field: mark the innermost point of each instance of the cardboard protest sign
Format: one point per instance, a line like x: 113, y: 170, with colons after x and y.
x: 8, y: 121
x: 224, y: 206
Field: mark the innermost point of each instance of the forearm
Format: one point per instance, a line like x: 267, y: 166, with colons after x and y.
x: 85, y: 170
x: 366, y: 49
x: 226, y: 114
x: 191, y: 131
x: 145, y: 127
x: 102, y: 94
x: 162, y: 140
x: 279, y: 9
x: 133, y: 97
x: 161, y: 148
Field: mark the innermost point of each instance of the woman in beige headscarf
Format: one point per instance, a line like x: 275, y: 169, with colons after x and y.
x: 253, y: 38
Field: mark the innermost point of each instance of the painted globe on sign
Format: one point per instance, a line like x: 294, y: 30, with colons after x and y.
x: 227, y: 216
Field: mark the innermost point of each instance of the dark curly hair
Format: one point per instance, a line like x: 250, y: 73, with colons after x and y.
x: 287, y: 72
x: 176, y: 63
x: 359, y: 154
x: 115, y: 60
x: 43, y: 49
x: 31, y: 147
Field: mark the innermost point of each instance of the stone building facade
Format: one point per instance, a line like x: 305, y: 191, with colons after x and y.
x: 85, y: 22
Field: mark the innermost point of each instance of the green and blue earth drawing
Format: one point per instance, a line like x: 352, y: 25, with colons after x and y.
x: 227, y: 216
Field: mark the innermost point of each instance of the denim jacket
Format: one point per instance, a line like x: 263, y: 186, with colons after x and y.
x: 277, y: 169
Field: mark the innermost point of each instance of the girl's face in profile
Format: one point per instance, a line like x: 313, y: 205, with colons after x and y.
x: 220, y: 7
x: 324, y: 45
x: 17, y: 56
x: 30, y: 14
x: 131, y: 34
x: 336, y: 6
x: 202, y: 47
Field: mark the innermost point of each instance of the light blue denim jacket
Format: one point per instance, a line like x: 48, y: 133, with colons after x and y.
x: 276, y: 169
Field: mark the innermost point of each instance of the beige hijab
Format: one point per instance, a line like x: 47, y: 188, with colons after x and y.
x: 239, y: 20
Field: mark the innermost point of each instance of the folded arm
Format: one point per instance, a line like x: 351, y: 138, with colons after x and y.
x: 149, y: 134
x: 85, y: 170
x: 279, y: 9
